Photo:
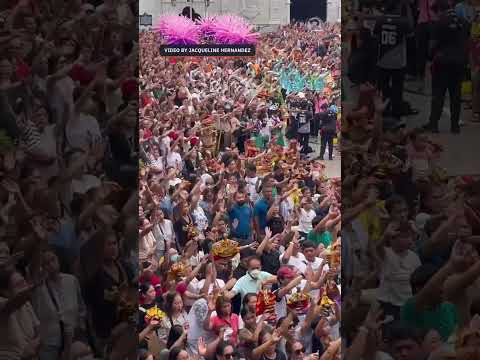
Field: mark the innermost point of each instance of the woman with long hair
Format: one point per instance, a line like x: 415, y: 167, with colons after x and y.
x: 224, y: 319
x: 175, y: 315
x: 267, y: 346
x: 147, y: 296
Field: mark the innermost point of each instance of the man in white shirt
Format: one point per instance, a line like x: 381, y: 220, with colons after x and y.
x: 292, y: 256
x: 174, y: 159
x: 252, y: 179
x: 307, y: 214
x: 398, y: 264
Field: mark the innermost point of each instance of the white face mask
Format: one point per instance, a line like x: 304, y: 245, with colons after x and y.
x: 87, y: 357
x: 254, y: 273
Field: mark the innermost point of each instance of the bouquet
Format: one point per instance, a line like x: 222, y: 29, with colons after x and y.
x: 154, y: 313
x: 177, y: 270
x: 299, y: 301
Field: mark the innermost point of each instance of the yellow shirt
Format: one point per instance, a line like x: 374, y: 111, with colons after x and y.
x: 475, y: 30
x: 371, y: 221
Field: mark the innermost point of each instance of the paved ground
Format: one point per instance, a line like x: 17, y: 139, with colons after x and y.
x: 461, y: 151
x: 332, y: 167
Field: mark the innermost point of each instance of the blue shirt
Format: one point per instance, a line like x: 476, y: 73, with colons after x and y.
x: 260, y: 212
x: 167, y: 207
x: 244, y: 216
x: 66, y: 238
x: 246, y: 284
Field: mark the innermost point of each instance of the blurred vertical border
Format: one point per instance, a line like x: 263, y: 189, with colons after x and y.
x: 68, y: 178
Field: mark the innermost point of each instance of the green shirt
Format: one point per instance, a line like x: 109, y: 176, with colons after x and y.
x: 443, y: 318
x: 324, y: 238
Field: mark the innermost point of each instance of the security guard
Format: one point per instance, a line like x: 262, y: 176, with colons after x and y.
x: 449, y: 58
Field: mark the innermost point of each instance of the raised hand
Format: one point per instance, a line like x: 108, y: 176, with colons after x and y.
x: 391, y: 230
x: 211, y: 303
x: 276, y: 336
x: 268, y: 232
x: 459, y: 256
x: 202, y: 347
x: 373, y: 319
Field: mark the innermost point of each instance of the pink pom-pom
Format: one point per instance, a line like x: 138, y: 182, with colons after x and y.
x: 178, y: 30
x: 232, y: 29
x: 207, y: 26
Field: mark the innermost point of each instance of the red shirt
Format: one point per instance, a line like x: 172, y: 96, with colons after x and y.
x: 475, y: 49
x: 22, y: 70
x: 147, y: 134
x: 233, y: 323
x: 146, y: 100
x: 155, y: 281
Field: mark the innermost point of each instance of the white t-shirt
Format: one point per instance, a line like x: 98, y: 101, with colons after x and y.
x: 113, y: 100
x: 12, y: 339
x: 62, y: 93
x: 199, y: 285
x: 192, y: 287
x: 164, y: 231
x: 174, y: 159
x: 299, y: 262
x: 281, y: 306
x: 82, y: 130
x: 395, y: 275
x: 201, y: 220
x: 380, y: 355
x: 316, y: 263
x: 196, y: 316
x: 251, y: 188
x: 165, y: 144
x: 48, y: 147
x: 286, y: 208
x: 195, y: 286
x: 305, y: 220
x: 158, y: 163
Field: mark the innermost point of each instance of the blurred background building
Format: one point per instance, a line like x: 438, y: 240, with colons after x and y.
x: 263, y: 13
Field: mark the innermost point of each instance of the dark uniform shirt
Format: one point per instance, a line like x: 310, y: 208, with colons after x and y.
x: 391, y: 32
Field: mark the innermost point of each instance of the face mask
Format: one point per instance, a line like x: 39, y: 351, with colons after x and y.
x: 87, y: 357
x: 254, y: 273
x: 174, y: 258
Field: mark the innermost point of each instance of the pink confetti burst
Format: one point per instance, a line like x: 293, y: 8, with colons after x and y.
x: 233, y: 29
x: 207, y: 26
x: 178, y: 30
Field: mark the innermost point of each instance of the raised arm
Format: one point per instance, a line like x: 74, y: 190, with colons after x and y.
x: 263, y: 244
x: 286, y: 289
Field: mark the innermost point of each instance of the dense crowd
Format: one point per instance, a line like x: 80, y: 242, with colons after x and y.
x: 239, y: 235
x: 410, y: 229
x: 68, y: 175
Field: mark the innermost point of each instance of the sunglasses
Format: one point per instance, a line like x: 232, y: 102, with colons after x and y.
x: 228, y: 356
x: 299, y: 351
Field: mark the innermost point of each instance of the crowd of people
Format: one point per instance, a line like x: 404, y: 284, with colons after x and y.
x: 410, y: 229
x: 68, y: 179
x: 239, y: 224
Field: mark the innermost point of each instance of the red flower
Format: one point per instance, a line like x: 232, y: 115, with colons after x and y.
x: 130, y: 89
x: 22, y: 71
x: 81, y: 74
x: 173, y: 135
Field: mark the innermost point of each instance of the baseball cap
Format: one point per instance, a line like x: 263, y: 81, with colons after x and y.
x: 286, y: 272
